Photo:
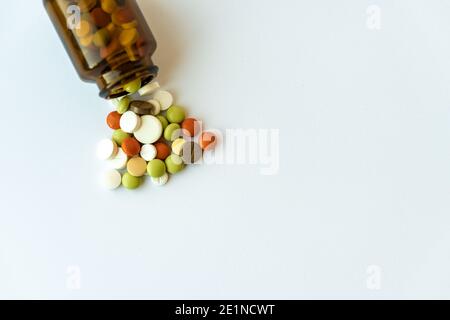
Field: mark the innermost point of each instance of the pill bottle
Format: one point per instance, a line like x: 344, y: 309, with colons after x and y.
x: 108, y: 41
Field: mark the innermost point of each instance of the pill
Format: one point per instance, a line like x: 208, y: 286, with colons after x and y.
x: 109, y: 6
x: 84, y: 29
x: 149, y: 88
x: 100, y: 17
x: 87, y: 41
x: 119, y: 162
x: 162, y: 151
x: 156, y: 168
x: 113, y: 120
x: 161, y: 181
x: 174, y: 164
x: 163, y: 121
x: 131, y: 147
x: 123, y: 105
x: 127, y: 38
x: 177, y: 146
x: 131, y: 182
x: 106, y: 149
x: 101, y: 38
x: 119, y: 136
x: 143, y: 108
x: 137, y: 167
x: 191, y: 126
x: 172, y: 132
x: 207, y: 140
x: 130, y: 122
x: 191, y: 153
x: 130, y: 25
x: 148, y: 152
x: 132, y: 86
x: 110, y: 49
x: 150, y: 130
x: 176, y: 114
x: 165, y: 99
x: 122, y: 16
x: 111, y: 179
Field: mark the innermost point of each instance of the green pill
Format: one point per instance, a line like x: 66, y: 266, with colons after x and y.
x: 119, y: 136
x: 170, y: 133
x: 133, y: 86
x: 123, y: 105
x: 174, y: 164
x: 156, y: 168
x: 163, y: 121
x: 131, y: 182
x: 176, y: 114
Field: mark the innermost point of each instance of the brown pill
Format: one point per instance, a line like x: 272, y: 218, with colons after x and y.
x: 113, y: 120
x: 143, y: 108
x: 191, y: 126
x: 131, y: 147
x: 191, y: 153
x: 207, y: 140
x: 113, y: 47
x: 122, y: 16
x: 100, y: 17
x: 163, y: 151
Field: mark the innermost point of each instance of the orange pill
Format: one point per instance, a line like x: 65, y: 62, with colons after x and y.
x: 207, y: 140
x: 113, y: 47
x: 191, y: 126
x: 131, y: 147
x: 122, y: 16
x: 113, y: 120
x: 163, y: 151
x: 100, y: 17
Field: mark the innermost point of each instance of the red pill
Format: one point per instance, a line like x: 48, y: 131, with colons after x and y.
x: 163, y: 151
x: 113, y: 120
x: 131, y: 147
x: 192, y: 126
x: 100, y: 17
x: 207, y: 140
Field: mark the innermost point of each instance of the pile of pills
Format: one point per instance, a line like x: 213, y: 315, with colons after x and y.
x: 152, y: 136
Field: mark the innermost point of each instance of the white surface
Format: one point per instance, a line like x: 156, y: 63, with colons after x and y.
x: 364, y: 158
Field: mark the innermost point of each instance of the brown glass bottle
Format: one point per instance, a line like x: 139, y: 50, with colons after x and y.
x: 108, y: 41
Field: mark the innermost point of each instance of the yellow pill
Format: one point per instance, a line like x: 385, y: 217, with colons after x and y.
x: 101, y: 38
x: 177, y: 146
x: 109, y: 6
x: 137, y: 167
x: 84, y: 29
x: 128, y: 37
x: 87, y: 41
x: 130, y: 25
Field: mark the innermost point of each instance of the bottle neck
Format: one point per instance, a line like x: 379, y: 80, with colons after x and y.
x: 112, y: 81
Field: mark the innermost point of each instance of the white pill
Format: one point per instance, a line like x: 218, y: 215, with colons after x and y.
x: 106, y: 149
x: 157, y: 107
x: 149, y: 88
x: 111, y: 179
x: 119, y: 162
x: 150, y: 130
x: 165, y: 99
x: 130, y: 122
x: 159, y: 182
x: 148, y: 152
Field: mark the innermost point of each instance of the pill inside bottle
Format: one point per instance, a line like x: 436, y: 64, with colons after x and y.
x: 108, y: 41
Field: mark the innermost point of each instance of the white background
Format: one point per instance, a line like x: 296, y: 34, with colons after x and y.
x: 364, y: 157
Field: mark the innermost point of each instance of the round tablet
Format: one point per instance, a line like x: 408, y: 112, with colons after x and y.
x: 131, y: 182
x: 137, y: 167
x: 113, y: 120
x: 156, y: 168
x: 119, y: 162
x: 156, y: 107
x: 165, y: 99
x: 177, y: 146
x: 145, y: 108
x: 191, y: 126
x: 176, y: 114
x: 130, y: 122
x: 148, y: 152
x: 174, y: 164
x: 149, y: 88
x: 106, y: 149
x: 111, y: 179
x: 191, y: 153
x: 131, y: 147
x: 150, y: 130
x: 162, y: 151
x: 159, y: 182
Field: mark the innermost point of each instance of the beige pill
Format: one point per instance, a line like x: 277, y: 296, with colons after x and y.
x: 137, y: 167
x: 106, y: 149
x: 119, y: 162
x: 165, y: 99
x: 149, y: 88
x: 111, y: 179
x: 177, y: 146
